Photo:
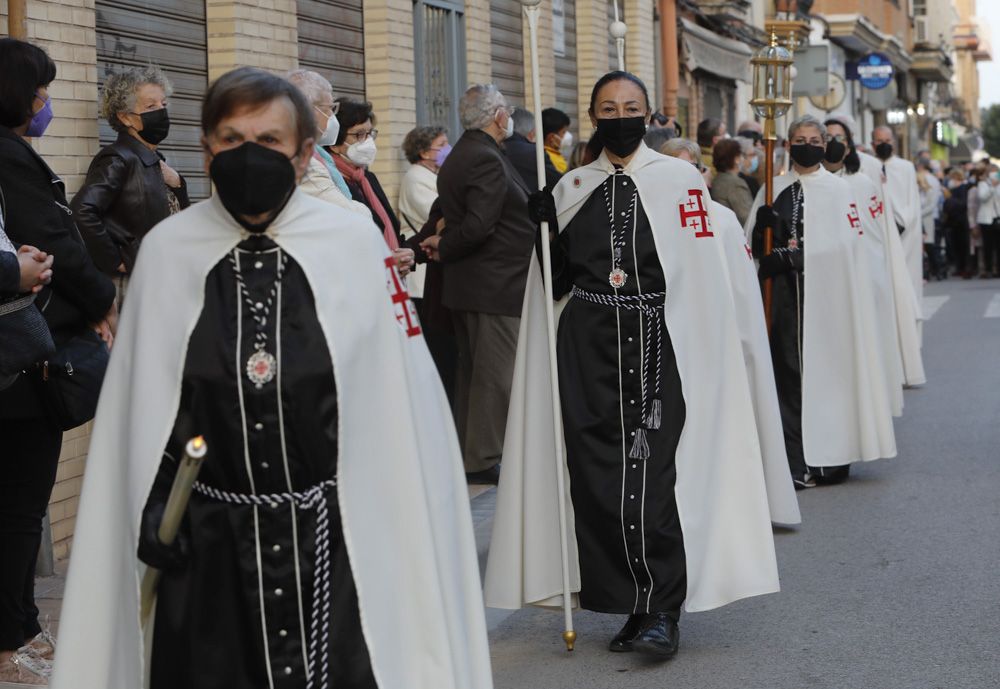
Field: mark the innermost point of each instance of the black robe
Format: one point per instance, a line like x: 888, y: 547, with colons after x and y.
x: 210, y: 630
x: 627, y: 527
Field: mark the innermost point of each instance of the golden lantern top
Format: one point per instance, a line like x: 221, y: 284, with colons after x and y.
x: 772, y: 80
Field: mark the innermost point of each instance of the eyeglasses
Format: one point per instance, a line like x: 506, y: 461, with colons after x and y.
x: 333, y: 108
x: 363, y: 135
x: 814, y: 141
x: 839, y: 138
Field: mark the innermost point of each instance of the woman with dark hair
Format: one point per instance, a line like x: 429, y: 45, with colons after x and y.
x: 79, y: 299
x: 669, y: 497
x: 354, y: 153
x: 728, y: 188
x: 872, y: 255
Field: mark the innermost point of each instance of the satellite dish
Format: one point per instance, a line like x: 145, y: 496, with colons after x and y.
x: 834, y: 97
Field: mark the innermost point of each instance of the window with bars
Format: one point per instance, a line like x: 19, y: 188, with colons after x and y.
x: 439, y: 45
x: 919, y: 8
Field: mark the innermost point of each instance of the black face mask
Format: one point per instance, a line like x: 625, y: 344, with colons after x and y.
x: 622, y: 135
x: 884, y: 150
x: 155, y: 126
x: 807, y: 155
x: 251, y: 180
x: 835, y: 151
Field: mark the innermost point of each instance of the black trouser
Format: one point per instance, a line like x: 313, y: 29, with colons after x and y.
x: 991, y: 247
x: 27, y: 472
x: 959, y: 245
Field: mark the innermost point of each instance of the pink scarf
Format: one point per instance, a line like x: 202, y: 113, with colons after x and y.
x: 358, y: 176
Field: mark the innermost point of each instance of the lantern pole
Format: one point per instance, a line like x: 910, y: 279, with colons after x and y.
x: 569, y: 636
x: 618, y: 30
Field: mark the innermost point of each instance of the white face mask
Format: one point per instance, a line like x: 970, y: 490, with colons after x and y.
x: 329, y: 137
x: 509, y: 131
x: 567, y: 140
x: 362, y: 152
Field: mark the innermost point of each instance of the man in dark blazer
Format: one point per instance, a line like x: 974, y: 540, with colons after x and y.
x: 485, y: 249
x: 520, y: 148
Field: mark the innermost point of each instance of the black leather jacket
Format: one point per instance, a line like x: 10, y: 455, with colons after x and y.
x: 123, y: 197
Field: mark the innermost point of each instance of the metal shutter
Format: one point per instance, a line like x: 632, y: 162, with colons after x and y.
x: 332, y: 42
x: 171, y: 34
x: 508, y: 49
x: 566, y: 86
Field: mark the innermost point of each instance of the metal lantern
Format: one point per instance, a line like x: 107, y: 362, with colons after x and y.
x: 772, y: 83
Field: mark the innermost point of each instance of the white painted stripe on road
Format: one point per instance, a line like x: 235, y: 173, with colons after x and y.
x: 993, y: 310
x: 932, y: 304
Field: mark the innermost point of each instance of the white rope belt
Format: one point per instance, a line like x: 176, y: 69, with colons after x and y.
x: 651, y: 306
x: 311, y: 498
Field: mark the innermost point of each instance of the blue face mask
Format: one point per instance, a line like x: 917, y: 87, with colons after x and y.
x: 754, y: 164
x: 40, y: 121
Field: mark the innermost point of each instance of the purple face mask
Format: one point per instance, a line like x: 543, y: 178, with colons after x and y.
x: 40, y: 122
x: 442, y: 154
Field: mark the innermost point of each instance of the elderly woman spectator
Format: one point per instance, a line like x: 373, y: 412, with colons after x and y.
x: 354, y: 152
x: 80, y: 300
x: 988, y: 219
x: 322, y: 179
x: 485, y: 249
x: 129, y: 186
x: 687, y: 150
x: 751, y: 170
x: 426, y: 149
x: 728, y: 188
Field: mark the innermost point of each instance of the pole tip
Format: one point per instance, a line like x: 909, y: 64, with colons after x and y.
x: 570, y: 639
x: 196, y: 447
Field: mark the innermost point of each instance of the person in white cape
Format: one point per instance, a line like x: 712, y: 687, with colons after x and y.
x: 872, y: 259
x: 834, y: 403
x: 277, y: 326
x: 669, y: 497
x: 905, y: 290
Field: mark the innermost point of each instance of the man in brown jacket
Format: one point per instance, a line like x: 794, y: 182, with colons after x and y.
x: 485, y: 249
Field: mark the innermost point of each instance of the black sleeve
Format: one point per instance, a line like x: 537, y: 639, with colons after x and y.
x: 104, y: 182
x: 10, y: 274
x: 35, y: 217
x: 181, y: 193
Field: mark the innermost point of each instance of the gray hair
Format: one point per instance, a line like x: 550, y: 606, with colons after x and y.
x: 524, y: 122
x: 120, y: 91
x: 673, y: 147
x: 312, y: 84
x: 806, y: 121
x: 746, y: 145
x: 479, y: 105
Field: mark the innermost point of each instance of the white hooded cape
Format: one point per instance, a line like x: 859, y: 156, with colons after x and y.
x: 876, y: 286
x: 846, y: 414
x: 403, y: 501
x: 722, y: 496
x: 908, y: 306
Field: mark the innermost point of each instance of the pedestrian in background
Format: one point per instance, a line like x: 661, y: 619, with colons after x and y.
x: 485, y: 248
x: 520, y: 149
x: 688, y: 151
x: 79, y: 298
x: 557, y: 137
x: 354, y: 153
x: 728, y: 188
x: 930, y: 205
x: 578, y: 156
x: 710, y: 132
x: 955, y: 220
x: 426, y: 149
x: 129, y: 186
x: 322, y: 179
x: 988, y: 220
x: 750, y: 167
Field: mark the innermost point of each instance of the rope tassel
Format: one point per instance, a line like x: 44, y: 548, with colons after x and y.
x: 655, y: 416
x: 640, y: 448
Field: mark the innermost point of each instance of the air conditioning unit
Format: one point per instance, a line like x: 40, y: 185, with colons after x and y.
x: 922, y: 27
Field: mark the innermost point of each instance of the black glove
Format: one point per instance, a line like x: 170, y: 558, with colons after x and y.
x: 766, y: 217
x: 153, y: 552
x: 782, y: 260
x: 542, y: 208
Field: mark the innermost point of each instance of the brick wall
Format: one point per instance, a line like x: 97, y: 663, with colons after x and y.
x: 640, y: 44
x: 592, y: 61
x: 546, y: 61
x: 478, y: 65
x: 251, y: 33
x: 390, y: 85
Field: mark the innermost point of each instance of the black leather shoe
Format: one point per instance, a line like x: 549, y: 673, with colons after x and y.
x: 487, y: 477
x: 831, y: 476
x: 622, y: 643
x: 658, y: 636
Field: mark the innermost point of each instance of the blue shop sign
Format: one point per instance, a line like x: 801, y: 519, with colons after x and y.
x: 875, y: 71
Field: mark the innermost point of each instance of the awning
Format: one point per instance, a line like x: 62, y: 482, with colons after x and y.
x: 858, y: 34
x: 707, y: 50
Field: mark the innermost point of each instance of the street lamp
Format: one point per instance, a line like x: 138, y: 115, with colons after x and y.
x: 772, y: 96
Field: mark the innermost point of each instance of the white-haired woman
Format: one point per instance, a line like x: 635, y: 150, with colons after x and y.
x: 323, y: 180
x: 129, y: 186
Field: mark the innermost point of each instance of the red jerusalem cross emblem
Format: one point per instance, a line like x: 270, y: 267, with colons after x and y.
x: 406, y: 313
x: 876, y: 209
x: 694, y: 215
x: 854, y: 218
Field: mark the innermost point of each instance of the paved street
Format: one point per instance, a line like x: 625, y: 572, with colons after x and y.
x: 891, y: 582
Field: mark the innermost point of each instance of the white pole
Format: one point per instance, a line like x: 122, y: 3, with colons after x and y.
x: 618, y: 31
x: 531, y: 12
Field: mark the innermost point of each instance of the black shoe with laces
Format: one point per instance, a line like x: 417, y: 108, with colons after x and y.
x: 622, y: 643
x: 658, y: 636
